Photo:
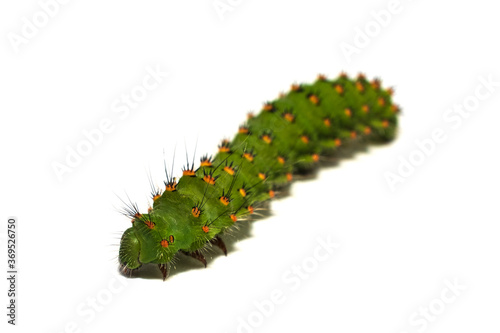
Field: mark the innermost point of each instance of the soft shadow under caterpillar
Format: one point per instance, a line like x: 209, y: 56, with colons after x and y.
x: 289, y: 135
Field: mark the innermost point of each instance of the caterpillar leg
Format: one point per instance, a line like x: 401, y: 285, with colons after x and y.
x: 164, y: 270
x: 197, y: 255
x: 129, y: 252
x: 217, y: 241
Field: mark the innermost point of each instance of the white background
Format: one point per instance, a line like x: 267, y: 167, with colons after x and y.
x: 397, y: 248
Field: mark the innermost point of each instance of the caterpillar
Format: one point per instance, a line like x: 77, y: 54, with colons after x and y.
x: 289, y: 136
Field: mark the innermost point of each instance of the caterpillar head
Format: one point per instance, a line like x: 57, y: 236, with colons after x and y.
x: 153, y: 238
x: 156, y: 238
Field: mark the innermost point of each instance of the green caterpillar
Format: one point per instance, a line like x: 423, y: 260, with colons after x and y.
x: 288, y: 136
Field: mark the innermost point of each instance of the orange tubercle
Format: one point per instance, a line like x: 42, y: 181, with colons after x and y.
x: 337, y: 142
x: 206, y: 162
x: 224, y: 200
x: 188, y: 173
x: 170, y: 187
x: 268, y: 107
x: 196, y: 212
x: 314, y: 99
x: 149, y: 224
x: 267, y: 139
x: 233, y: 217
x: 205, y: 229
x: 315, y: 157
x: 248, y: 156
x: 288, y: 116
x: 164, y: 243
x: 209, y: 179
x: 229, y: 170
x: 289, y: 177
